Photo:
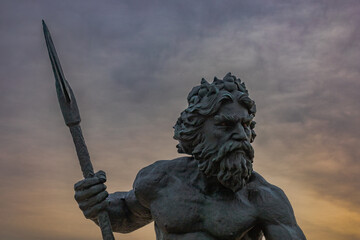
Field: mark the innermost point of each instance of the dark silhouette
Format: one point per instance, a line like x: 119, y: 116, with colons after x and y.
x: 211, y: 194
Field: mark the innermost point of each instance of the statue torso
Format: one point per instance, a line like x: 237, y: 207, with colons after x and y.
x: 184, y: 207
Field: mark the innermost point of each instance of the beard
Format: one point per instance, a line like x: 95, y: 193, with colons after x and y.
x: 230, y: 163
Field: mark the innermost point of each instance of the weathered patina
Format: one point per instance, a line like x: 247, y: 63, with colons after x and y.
x: 210, y: 194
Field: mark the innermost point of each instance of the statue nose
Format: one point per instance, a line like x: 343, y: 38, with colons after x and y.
x: 239, y: 133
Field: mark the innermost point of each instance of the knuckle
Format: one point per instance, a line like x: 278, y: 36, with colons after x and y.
x: 102, y: 196
x: 98, y: 188
x: 82, y: 208
x: 106, y: 194
x: 78, y: 184
x: 98, y: 198
x: 80, y: 196
x: 97, y: 207
x: 92, y: 212
x: 101, y: 206
x: 76, y: 196
x: 87, y: 214
x: 101, y: 175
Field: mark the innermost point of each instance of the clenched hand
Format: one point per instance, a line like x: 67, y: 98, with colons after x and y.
x: 91, y: 194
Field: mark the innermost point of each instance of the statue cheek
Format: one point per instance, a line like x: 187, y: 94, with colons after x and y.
x: 218, y: 134
x: 248, y: 132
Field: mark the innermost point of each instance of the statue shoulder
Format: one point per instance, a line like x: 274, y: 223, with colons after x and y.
x: 261, y: 190
x: 270, y: 200
x: 157, y: 176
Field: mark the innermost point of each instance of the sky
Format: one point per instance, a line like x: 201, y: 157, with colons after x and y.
x: 131, y: 65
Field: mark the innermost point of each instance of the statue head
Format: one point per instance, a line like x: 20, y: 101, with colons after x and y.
x: 217, y: 129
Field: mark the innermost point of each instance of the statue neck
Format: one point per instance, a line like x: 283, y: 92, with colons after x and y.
x: 211, y: 185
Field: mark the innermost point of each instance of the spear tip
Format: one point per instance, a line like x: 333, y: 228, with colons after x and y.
x: 55, y: 62
x: 43, y: 23
x: 45, y: 28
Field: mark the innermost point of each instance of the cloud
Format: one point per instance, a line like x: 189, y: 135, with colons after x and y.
x: 131, y: 66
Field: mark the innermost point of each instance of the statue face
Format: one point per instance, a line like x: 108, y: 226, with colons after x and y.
x: 225, y: 151
x: 232, y: 122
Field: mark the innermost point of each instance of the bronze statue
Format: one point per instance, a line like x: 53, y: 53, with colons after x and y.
x: 210, y: 194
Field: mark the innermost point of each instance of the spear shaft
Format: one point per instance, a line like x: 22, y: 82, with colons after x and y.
x: 72, y: 119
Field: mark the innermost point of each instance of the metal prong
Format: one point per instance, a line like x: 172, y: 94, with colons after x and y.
x: 55, y: 63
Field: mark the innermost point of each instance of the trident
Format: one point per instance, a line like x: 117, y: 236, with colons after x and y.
x: 72, y: 119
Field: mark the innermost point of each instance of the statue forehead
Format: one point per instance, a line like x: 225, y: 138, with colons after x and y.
x: 233, y: 109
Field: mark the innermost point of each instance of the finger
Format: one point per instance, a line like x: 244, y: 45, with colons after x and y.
x: 92, y: 212
x: 87, y: 193
x: 101, y: 175
x: 94, y: 200
x: 86, y: 183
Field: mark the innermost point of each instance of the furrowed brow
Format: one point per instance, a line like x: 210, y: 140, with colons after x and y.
x: 249, y: 119
x: 222, y: 118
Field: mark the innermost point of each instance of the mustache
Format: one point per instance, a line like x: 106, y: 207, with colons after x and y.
x: 213, y: 152
x: 235, y: 146
x: 211, y: 156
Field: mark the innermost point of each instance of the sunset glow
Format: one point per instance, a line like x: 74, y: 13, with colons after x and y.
x: 131, y: 65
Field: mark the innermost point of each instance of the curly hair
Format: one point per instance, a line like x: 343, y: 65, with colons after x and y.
x: 204, y: 101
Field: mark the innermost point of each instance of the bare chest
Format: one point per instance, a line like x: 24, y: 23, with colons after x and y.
x: 181, y: 209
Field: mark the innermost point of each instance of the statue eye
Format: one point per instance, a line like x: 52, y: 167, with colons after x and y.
x: 226, y: 124
x: 246, y: 124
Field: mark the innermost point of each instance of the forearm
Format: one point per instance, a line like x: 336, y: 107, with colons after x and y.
x: 125, y: 212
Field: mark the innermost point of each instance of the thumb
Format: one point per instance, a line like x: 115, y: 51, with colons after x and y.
x: 101, y: 175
